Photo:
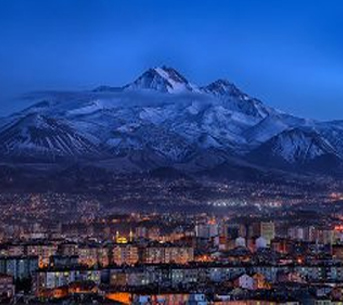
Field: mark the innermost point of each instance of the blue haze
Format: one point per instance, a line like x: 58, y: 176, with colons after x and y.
x: 287, y: 53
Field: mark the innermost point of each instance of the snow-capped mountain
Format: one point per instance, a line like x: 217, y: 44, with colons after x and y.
x: 46, y: 138
x: 162, y: 119
x: 162, y: 79
x: 300, y: 147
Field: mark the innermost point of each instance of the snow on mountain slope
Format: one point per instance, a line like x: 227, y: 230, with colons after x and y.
x: 163, y: 79
x: 294, y: 146
x: 222, y: 87
x: 234, y: 99
x: 264, y: 130
x: 333, y: 133
x: 38, y: 137
x: 161, y: 119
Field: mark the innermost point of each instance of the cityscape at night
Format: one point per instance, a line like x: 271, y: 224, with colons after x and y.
x: 171, y: 153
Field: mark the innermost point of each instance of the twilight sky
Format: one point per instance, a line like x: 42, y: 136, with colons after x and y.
x: 287, y: 53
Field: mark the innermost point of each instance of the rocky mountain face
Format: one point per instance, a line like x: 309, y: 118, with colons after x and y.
x: 162, y: 120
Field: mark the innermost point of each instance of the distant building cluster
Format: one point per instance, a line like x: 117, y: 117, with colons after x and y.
x: 175, y: 258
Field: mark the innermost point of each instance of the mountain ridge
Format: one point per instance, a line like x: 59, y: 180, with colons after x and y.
x: 163, y: 120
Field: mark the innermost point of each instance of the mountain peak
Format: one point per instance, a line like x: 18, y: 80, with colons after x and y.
x: 162, y: 79
x: 223, y: 87
x: 196, y: 131
x: 171, y: 73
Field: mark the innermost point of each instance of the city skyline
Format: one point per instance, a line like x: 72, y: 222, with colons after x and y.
x: 171, y: 153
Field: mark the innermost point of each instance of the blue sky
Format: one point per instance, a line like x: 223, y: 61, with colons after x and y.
x: 287, y: 53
